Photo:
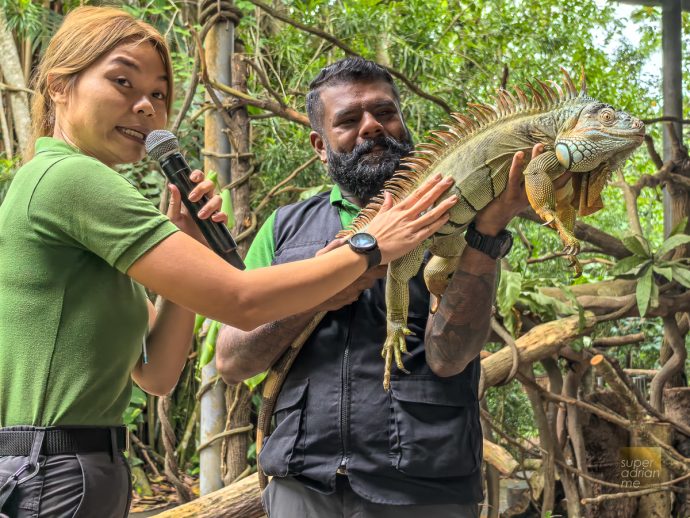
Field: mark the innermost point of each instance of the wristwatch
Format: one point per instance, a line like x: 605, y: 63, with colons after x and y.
x: 495, y: 247
x: 365, y: 244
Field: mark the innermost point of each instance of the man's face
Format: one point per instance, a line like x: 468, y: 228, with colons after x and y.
x: 363, y: 137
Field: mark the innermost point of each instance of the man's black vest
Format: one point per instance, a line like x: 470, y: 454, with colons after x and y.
x: 420, y: 443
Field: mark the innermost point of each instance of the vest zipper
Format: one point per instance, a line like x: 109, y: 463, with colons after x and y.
x: 345, y: 403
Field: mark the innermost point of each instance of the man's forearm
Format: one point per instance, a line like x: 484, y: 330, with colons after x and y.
x: 457, y: 332
x: 240, y: 354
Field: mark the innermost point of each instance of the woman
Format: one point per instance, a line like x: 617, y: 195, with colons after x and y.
x: 78, y: 244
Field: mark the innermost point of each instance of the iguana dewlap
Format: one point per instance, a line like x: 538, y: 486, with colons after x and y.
x: 579, y: 134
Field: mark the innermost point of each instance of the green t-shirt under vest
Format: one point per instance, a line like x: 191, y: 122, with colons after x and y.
x: 71, y: 321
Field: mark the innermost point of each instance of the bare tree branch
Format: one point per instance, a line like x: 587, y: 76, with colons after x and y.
x: 653, y: 153
x: 672, y: 366
x: 261, y: 73
x: 630, y: 195
x: 666, y: 119
x: 274, y: 107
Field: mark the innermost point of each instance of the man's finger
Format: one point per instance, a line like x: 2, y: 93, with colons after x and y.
x: 515, y: 174
x: 537, y: 150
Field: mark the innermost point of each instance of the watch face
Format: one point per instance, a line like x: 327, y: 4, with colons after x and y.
x: 363, y: 241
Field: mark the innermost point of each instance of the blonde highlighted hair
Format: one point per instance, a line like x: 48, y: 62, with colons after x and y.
x: 86, y: 35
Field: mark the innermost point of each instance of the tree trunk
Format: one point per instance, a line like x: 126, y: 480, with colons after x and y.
x: 234, y: 451
x: 14, y: 75
x: 245, y: 222
x: 241, y: 499
x: 677, y: 406
x: 655, y: 505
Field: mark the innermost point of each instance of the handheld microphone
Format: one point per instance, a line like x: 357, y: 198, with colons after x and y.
x: 163, y: 146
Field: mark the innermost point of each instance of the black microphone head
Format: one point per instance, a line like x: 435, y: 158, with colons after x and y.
x: 160, y: 143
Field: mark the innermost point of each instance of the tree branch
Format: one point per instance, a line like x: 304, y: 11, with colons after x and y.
x: 672, y: 366
x: 666, y: 119
x: 630, y: 195
x: 274, y: 107
x: 335, y: 41
x: 653, y: 153
x: 617, y: 341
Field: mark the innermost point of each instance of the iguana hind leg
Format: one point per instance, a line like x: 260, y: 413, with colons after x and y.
x: 400, y: 272
x: 541, y: 195
x: 446, y: 252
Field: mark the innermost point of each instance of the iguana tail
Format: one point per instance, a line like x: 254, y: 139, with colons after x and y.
x: 272, y: 385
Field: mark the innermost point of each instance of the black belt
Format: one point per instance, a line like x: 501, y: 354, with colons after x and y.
x: 65, y: 440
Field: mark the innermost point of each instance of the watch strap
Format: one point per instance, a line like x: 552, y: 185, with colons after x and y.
x: 373, y: 258
x: 493, y: 246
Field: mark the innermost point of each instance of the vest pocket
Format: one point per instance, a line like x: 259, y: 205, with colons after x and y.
x: 433, y: 427
x: 283, y: 451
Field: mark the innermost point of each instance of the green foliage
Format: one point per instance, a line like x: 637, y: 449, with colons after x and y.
x: 7, y: 168
x: 133, y: 414
x: 515, y: 291
x: 208, y: 347
x: 644, y: 266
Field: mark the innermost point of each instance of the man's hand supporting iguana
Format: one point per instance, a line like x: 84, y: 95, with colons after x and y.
x: 458, y: 330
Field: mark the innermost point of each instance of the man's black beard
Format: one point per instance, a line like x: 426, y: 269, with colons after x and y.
x: 362, y: 174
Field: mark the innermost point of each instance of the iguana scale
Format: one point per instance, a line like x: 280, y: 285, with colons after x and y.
x: 580, y: 134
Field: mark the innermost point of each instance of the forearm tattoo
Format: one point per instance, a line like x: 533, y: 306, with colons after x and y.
x: 458, y: 330
x: 265, y: 344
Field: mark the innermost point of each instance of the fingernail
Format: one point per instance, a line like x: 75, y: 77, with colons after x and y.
x: 202, y: 213
x: 195, y: 176
x: 449, y: 179
x: 437, y: 177
x: 454, y: 198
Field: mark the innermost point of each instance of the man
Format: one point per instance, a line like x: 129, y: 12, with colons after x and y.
x: 342, y: 445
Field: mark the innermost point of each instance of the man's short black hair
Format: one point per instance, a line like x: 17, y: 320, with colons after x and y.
x: 349, y: 70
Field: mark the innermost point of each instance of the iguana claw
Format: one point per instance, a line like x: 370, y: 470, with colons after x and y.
x: 394, y: 348
x: 435, y: 303
x: 574, y: 263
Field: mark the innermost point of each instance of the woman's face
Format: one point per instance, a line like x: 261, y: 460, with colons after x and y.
x: 114, y: 104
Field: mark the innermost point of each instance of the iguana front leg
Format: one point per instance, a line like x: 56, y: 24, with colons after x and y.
x: 567, y: 214
x: 542, y: 198
x: 400, y: 272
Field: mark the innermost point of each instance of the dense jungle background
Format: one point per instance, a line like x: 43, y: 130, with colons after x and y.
x: 579, y: 368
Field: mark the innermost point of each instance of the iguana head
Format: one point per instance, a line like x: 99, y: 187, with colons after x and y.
x: 597, y: 136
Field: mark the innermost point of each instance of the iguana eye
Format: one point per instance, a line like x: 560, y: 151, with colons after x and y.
x: 607, y: 116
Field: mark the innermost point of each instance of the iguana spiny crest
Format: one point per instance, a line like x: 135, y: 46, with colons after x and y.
x: 579, y: 134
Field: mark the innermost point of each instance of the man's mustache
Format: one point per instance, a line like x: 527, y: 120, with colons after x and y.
x: 388, y: 144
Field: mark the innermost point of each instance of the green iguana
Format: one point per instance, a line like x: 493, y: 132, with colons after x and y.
x: 579, y: 134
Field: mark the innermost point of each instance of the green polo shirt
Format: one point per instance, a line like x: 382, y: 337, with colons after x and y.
x: 262, y: 251
x: 71, y: 321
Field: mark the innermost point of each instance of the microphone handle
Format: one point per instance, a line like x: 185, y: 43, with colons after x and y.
x: 217, y: 235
